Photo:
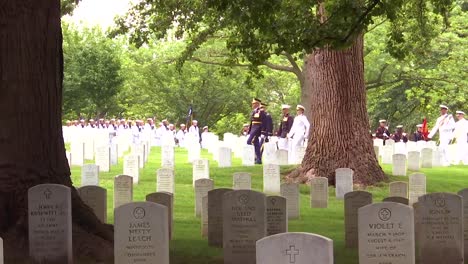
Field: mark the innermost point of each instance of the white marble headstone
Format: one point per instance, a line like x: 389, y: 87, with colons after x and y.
x: 165, y: 180
x: 90, y: 175
x: 343, y: 182
x: 50, y: 224
x: 248, y: 155
x: 295, y: 248
x: 271, y: 179
x: 224, y: 157
x: 399, y: 165
x: 141, y: 233
x: 103, y: 158
x: 241, y: 181
x: 131, y: 167
x: 200, y: 169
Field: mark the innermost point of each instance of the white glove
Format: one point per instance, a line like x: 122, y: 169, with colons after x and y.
x: 262, y: 136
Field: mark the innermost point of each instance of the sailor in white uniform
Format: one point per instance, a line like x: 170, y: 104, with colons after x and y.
x: 461, y: 137
x: 445, y: 124
x: 299, y: 133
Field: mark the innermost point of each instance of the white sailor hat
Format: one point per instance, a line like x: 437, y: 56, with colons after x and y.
x: 399, y: 126
x: 460, y: 112
x: 205, y: 127
x: 246, y: 125
x: 194, y: 121
x: 91, y: 120
x: 419, y: 125
x: 382, y: 121
x: 300, y: 107
x: 182, y: 125
x: 285, y: 106
x: 443, y: 106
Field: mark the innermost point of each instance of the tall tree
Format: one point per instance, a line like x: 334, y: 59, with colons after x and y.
x: 31, y: 66
x: 92, y: 73
x: 329, y: 35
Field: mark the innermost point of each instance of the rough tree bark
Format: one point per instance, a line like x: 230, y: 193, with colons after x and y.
x: 32, y: 150
x: 340, y: 125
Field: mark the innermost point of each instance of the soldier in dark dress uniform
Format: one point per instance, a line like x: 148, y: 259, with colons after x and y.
x: 284, y: 128
x: 256, y: 129
x: 399, y: 135
x: 382, y: 131
x: 418, y: 135
x: 268, y: 123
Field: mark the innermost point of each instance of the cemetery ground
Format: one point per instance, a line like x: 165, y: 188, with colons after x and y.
x: 188, y: 246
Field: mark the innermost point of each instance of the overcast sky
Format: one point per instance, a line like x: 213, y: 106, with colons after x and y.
x: 98, y: 12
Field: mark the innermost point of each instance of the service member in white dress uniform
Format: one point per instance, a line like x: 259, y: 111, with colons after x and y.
x: 299, y: 132
x: 445, y: 124
x: 461, y: 137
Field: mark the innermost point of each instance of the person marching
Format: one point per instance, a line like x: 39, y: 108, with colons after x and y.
x: 461, y: 137
x: 268, y: 124
x: 256, y: 129
x: 382, y: 131
x: 299, y: 132
x: 418, y: 135
x: 285, y: 126
x: 399, y: 135
x: 445, y: 125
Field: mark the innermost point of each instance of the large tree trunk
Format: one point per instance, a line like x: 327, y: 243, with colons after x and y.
x: 340, y: 135
x: 31, y: 144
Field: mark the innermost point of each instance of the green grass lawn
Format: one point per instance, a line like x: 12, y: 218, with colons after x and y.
x: 188, y: 246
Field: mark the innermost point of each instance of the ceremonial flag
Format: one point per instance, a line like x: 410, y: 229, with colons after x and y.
x: 189, y: 116
x: 425, y: 130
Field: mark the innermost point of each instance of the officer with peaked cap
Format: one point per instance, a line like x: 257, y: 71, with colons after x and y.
x: 399, y: 135
x: 445, y: 125
x: 285, y: 126
x: 256, y: 129
x: 299, y: 133
x: 461, y: 137
x: 418, y: 135
x: 382, y: 131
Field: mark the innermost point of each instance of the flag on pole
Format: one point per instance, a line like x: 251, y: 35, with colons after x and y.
x: 425, y: 130
x: 189, y: 116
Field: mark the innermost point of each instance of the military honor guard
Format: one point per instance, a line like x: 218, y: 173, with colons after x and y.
x: 299, y: 132
x: 461, y: 138
x: 268, y: 124
x: 418, y: 135
x: 180, y: 136
x: 382, y: 131
x: 256, y: 129
x: 399, y: 135
x: 284, y: 128
x: 445, y: 125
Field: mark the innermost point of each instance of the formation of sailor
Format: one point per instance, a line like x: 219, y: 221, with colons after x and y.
x: 418, y: 135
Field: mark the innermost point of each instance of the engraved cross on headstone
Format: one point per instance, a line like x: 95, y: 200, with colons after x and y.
x: 292, y: 252
x: 47, y: 194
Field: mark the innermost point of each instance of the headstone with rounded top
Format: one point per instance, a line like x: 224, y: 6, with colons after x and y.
x: 50, y: 224
x: 244, y: 222
x: 215, y: 216
x: 319, y: 192
x: 123, y: 190
x: 166, y: 199
x: 96, y: 198
x: 344, y: 181
x: 141, y: 233
x: 290, y: 191
x: 440, y: 224
x: 297, y: 248
x: 352, y: 202
x: 277, y: 215
x: 386, y: 234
